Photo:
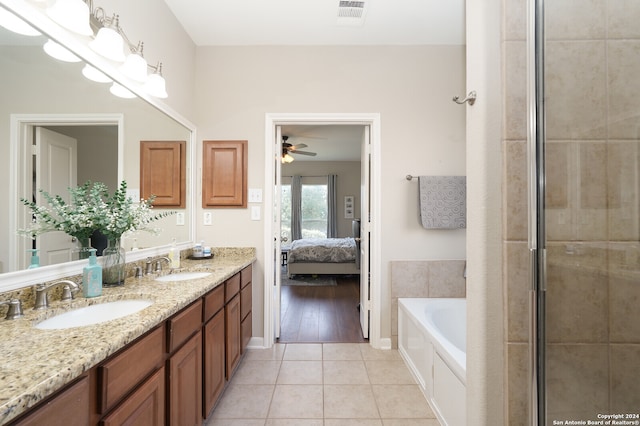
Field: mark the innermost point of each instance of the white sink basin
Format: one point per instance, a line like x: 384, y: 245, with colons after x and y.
x: 94, y: 314
x: 182, y: 276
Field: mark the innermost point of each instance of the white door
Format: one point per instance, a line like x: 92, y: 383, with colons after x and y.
x: 365, y: 217
x: 56, y: 166
x: 277, y: 198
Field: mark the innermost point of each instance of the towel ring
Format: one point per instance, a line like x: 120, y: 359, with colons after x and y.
x: 471, y: 98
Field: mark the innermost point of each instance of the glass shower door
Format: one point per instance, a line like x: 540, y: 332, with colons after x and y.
x: 591, y: 179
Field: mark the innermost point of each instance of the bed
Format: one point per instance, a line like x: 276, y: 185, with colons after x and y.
x: 316, y: 256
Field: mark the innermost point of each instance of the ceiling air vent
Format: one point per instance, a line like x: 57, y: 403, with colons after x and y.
x: 351, y: 12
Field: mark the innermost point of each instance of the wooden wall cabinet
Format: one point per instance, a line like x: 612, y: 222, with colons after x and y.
x: 163, y: 172
x: 224, y: 174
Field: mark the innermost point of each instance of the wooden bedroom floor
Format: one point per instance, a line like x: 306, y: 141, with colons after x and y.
x: 321, y: 314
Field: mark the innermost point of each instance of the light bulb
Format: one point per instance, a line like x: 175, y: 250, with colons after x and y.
x: 109, y: 44
x: 72, y: 15
x: 121, y: 91
x: 54, y: 50
x: 94, y: 74
x: 14, y: 24
x: 135, y: 67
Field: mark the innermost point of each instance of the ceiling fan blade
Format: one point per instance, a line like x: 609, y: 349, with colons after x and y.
x: 303, y: 153
x: 299, y: 145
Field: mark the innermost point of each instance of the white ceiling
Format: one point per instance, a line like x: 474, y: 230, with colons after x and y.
x: 329, y: 142
x: 314, y: 22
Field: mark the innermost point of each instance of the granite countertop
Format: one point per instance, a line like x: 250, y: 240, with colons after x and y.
x: 35, y: 363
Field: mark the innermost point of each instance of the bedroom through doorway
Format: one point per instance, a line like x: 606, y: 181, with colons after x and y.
x: 320, y: 190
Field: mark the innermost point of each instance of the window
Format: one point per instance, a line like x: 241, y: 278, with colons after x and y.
x: 314, y: 211
x: 314, y: 208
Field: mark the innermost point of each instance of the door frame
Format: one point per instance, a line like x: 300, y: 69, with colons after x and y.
x: 20, y: 133
x: 366, y: 119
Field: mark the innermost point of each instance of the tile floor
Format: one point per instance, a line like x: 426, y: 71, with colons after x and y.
x: 322, y: 384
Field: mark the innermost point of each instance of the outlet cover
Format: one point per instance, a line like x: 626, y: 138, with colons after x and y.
x: 207, y: 218
x: 255, y: 212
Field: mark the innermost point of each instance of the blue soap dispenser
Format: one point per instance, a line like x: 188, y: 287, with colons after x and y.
x: 92, y: 276
x: 35, y: 259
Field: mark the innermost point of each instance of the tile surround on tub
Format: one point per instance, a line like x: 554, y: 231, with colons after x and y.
x: 424, y: 278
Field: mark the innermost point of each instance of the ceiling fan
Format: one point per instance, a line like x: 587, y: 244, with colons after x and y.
x: 288, y: 149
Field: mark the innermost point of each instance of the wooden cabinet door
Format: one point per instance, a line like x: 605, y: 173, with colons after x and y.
x: 213, y: 362
x: 224, y: 174
x: 185, y: 384
x: 232, y: 328
x: 163, y: 172
x: 68, y: 408
x: 143, y: 407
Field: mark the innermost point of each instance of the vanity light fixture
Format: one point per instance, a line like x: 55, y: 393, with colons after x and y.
x: 135, y: 66
x: 109, y: 42
x: 56, y: 51
x: 94, y: 74
x: 121, y: 91
x: 14, y: 24
x: 156, y: 85
x: 72, y: 15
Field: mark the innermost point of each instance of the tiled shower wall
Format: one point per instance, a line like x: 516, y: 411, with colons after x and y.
x: 593, y: 153
x: 424, y: 278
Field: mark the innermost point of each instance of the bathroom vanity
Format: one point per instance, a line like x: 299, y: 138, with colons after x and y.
x: 168, y: 363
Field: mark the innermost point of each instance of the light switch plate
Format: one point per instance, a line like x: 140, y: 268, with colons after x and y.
x: 134, y: 194
x: 180, y: 218
x: 255, y: 212
x: 207, y: 219
x: 255, y: 195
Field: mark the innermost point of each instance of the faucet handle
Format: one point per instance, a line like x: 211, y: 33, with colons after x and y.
x: 15, y: 309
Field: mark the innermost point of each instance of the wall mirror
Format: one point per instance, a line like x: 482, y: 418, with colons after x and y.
x: 40, y: 92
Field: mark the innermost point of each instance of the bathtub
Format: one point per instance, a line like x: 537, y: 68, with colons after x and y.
x: 432, y: 342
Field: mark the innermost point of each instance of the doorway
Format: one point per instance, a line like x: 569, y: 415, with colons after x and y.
x: 273, y: 138
x: 325, y: 162
x: 96, y: 134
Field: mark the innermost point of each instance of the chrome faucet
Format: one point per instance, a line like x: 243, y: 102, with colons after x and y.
x: 15, y: 308
x: 159, y: 263
x: 42, y: 293
x: 148, y: 265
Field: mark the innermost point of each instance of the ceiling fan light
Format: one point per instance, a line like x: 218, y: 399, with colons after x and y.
x: 56, y: 51
x: 109, y: 43
x: 135, y: 67
x: 14, y: 24
x: 94, y: 74
x: 287, y: 158
x: 121, y: 91
x: 72, y: 15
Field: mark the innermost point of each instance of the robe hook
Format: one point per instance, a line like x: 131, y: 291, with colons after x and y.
x: 471, y: 98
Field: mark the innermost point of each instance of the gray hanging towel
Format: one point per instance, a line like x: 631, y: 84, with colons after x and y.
x: 443, y: 202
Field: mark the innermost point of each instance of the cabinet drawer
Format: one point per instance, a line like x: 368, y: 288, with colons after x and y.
x: 183, y: 324
x: 123, y: 372
x: 69, y: 407
x: 144, y: 407
x: 245, y: 301
x: 231, y: 287
x: 245, y: 276
x: 213, y: 302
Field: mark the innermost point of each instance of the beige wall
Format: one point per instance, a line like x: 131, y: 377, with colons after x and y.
x: 422, y: 130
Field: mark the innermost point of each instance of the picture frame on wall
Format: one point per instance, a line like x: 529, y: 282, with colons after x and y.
x: 349, y: 206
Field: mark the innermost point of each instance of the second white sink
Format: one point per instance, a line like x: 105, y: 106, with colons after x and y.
x: 94, y: 314
x: 182, y: 276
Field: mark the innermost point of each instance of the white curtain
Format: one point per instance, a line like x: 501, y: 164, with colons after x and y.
x: 332, y: 206
x: 296, y: 208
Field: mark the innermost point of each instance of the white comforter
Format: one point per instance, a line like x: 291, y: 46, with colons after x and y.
x: 334, y: 250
